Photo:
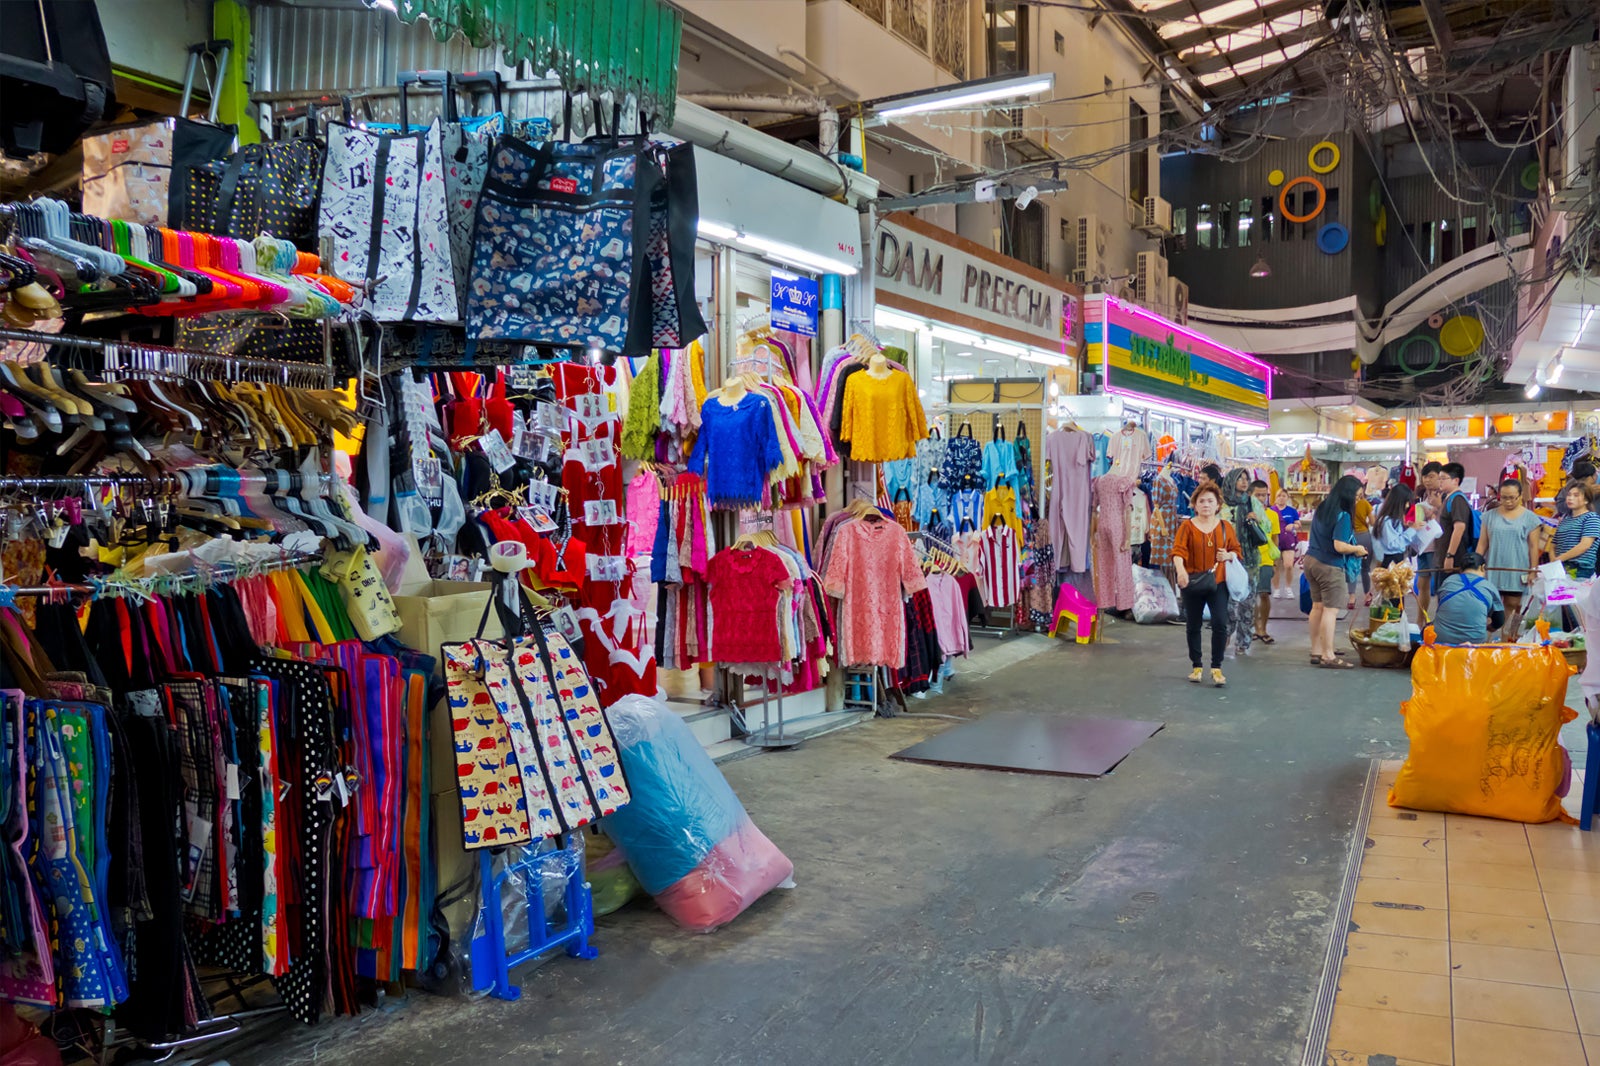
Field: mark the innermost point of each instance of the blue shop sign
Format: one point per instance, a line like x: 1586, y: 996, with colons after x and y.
x: 794, y: 304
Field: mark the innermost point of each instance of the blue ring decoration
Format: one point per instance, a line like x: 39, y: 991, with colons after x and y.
x: 1333, y: 238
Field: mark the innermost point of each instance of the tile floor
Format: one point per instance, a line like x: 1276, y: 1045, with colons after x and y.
x: 1476, y: 943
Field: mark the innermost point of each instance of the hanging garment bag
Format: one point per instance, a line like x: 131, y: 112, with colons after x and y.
x: 558, y: 248
x: 383, y: 205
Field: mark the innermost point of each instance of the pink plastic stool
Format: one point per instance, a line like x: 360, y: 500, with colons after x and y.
x: 1073, y: 606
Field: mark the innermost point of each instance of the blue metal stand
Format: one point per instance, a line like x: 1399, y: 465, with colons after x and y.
x: 491, y: 964
x: 1591, y: 776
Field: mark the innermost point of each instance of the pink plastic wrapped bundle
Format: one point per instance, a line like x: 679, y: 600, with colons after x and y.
x: 685, y: 834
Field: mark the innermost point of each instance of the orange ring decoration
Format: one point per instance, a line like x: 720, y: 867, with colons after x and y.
x: 1283, y: 199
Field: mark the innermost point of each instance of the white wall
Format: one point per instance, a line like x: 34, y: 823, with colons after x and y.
x: 152, y: 36
x: 764, y: 25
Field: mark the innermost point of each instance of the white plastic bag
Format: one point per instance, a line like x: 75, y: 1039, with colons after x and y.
x: 1238, y: 580
x: 1154, y: 600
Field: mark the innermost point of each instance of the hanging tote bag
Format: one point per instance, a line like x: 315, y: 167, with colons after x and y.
x: 261, y: 189
x: 674, y: 221
x: 383, y: 205
x: 129, y: 174
x: 558, y: 248
x: 464, y: 146
x: 963, y: 457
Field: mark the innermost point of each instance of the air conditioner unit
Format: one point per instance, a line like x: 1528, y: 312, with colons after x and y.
x: 1157, y: 216
x: 1094, y: 237
x: 1180, y: 302
x: 1150, y: 279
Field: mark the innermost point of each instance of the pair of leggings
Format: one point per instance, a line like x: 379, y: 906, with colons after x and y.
x: 1194, y: 607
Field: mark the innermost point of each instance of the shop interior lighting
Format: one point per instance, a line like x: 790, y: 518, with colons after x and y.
x: 1450, y: 442
x: 787, y: 254
x: 956, y: 336
x: 1192, y: 414
x: 980, y: 91
x: 1552, y: 373
x: 1532, y: 389
x: 1380, y: 445
x: 883, y: 316
x: 1261, y: 269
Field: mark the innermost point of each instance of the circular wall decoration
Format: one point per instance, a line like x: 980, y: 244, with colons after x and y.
x: 1283, y: 199
x: 1332, y: 238
x: 1530, y: 177
x: 1461, y: 336
x: 1435, y: 321
x: 1331, y: 165
x: 1380, y: 232
x: 1410, y: 342
x: 1275, y: 177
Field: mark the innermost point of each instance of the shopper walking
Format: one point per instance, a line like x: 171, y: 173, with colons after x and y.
x: 1577, y: 538
x: 1509, y: 543
x: 1270, y: 555
x: 1429, y: 504
x: 1288, y: 543
x: 1250, y: 527
x: 1200, y: 552
x: 1393, y: 534
x: 1470, y: 607
x: 1361, y: 525
x: 1331, y: 558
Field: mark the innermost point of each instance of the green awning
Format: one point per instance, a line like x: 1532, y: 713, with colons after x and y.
x: 624, y: 47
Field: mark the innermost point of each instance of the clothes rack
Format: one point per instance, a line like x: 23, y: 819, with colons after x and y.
x: 138, y: 359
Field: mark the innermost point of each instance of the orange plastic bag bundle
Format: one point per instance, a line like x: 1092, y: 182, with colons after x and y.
x: 1483, y: 723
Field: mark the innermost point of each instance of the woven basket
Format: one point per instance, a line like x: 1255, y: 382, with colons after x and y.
x: 1382, y: 656
x: 1577, y: 657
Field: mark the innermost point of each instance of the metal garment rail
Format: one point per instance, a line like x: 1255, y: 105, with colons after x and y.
x: 133, y: 358
x: 204, y: 575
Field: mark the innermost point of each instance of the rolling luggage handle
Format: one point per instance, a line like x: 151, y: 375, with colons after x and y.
x: 222, y: 48
x: 440, y: 79
x: 489, y: 80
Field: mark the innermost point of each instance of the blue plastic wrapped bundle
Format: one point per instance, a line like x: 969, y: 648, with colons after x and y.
x: 685, y: 834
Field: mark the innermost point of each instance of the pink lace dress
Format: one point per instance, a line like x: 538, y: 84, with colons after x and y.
x: 871, y: 567
x: 1113, y: 563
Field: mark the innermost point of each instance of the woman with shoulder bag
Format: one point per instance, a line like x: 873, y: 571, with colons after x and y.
x: 1250, y: 525
x: 1332, y: 560
x: 1201, y: 550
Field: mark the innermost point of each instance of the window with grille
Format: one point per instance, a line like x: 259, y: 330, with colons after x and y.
x: 950, y: 36
x: 1008, y: 36
x: 909, y: 18
x: 1138, y: 158
x: 873, y: 9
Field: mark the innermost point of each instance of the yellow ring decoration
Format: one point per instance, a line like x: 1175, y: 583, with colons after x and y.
x: 1283, y: 199
x: 1275, y: 178
x: 1311, y: 157
x: 1380, y: 231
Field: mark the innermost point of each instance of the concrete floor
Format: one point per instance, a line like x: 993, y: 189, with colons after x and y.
x: 1174, y: 912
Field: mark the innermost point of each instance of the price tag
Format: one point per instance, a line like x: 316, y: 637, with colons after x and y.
x: 565, y: 620
x: 539, y: 519
x: 596, y: 454
x: 519, y: 434
x: 523, y: 378
x: 429, y: 475
x: 600, y: 513
x: 541, y: 495
x: 494, y: 448
x: 591, y: 408
x: 611, y: 568
x: 551, y: 418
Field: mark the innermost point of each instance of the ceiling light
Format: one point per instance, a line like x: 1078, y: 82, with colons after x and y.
x: 1261, y: 269
x: 983, y: 90
x: 717, y: 231
x: 945, y: 333
x: 1532, y: 389
x: 1552, y: 373
x: 1202, y: 226
x: 788, y: 253
x: 882, y: 316
x: 1380, y: 445
x: 1446, y: 442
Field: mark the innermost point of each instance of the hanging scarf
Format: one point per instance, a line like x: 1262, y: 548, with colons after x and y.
x: 644, y: 411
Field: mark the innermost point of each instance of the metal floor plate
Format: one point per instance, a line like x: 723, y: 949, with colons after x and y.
x: 1035, y: 744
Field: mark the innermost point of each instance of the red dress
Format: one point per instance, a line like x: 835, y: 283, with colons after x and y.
x: 745, y: 585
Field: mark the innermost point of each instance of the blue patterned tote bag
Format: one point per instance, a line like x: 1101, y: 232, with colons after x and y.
x: 559, y: 246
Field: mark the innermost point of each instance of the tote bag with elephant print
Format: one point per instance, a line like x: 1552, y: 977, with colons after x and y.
x: 384, y: 207
x: 559, y: 245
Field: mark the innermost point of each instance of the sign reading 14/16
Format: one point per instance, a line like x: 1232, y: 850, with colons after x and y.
x: 794, y: 304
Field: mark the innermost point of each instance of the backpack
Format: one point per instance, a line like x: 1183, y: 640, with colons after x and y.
x: 1477, y: 519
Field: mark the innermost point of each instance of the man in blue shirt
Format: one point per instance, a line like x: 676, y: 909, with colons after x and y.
x: 1470, y: 607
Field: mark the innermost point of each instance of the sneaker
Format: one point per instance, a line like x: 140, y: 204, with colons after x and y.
x: 1195, y: 674
x: 1217, y: 679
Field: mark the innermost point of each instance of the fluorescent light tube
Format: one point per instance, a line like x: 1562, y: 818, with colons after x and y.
x: 964, y: 96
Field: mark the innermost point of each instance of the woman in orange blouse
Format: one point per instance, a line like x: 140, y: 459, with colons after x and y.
x: 1200, y: 553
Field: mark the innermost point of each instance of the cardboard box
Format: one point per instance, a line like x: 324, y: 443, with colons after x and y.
x: 445, y: 612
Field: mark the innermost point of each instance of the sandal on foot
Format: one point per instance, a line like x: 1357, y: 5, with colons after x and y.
x: 1316, y: 660
x: 1263, y: 638
x: 1337, y: 664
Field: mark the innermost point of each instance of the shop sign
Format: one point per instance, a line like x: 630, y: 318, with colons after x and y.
x: 1145, y: 355
x: 794, y: 303
x: 1381, y: 429
x: 945, y: 275
x: 1430, y: 428
x: 1530, y: 422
